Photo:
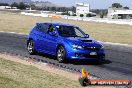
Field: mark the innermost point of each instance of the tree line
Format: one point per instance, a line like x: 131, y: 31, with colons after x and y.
x: 4, y: 4
x: 118, y: 5
x: 23, y: 6
x: 20, y: 5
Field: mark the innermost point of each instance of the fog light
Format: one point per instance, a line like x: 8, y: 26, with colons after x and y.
x: 76, y: 55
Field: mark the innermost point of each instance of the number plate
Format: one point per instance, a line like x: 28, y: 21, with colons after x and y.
x: 93, y: 53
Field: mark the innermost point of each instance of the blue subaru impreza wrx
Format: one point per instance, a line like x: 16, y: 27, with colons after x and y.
x: 64, y: 41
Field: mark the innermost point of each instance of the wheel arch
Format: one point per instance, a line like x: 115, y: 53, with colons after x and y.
x: 29, y: 40
x: 65, y: 57
x: 59, y: 46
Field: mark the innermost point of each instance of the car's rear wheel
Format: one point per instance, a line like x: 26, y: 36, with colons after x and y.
x: 61, y: 54
x: 30, y: 47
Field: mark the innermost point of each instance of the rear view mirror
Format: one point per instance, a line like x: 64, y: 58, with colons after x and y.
x: 87, y: 35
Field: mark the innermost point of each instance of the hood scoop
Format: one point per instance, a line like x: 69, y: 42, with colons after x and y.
x: 86, y: 40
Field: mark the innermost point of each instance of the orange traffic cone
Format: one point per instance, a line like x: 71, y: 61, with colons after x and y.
x: 84, y: 80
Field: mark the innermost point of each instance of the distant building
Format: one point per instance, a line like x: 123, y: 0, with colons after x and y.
x: 71, y: 12
x: 2, y: 7
x: 13, y: 7
x: 119, y: 13
x: 82, y: 8
x: 5, y: 7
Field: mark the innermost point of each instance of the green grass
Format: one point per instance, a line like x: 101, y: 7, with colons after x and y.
x: 16, y: 75
x: 100, y: 31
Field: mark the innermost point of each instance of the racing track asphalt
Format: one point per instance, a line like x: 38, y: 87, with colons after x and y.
x: 120, y: 66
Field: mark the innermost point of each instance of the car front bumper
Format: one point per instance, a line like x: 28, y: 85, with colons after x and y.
x: 85, y: 54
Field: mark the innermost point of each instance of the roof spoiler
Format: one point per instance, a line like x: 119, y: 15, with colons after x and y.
x: 40, y: 23
x: 37, y: 24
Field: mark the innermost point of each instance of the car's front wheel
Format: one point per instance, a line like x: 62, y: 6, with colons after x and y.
x: 61, y: 54
x: 30, y: 47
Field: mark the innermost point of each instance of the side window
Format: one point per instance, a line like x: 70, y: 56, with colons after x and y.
x: 41, y: 28
x: 37, y: 27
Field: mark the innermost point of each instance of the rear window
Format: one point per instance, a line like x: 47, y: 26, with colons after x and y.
x: 41, y: 28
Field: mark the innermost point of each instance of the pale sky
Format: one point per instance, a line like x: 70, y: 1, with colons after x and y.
x: 94, y: 4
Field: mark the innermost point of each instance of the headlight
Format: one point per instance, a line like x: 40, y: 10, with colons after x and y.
x: 77, y: 46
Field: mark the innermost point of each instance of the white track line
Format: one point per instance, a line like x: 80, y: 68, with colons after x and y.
x: 13, y: 33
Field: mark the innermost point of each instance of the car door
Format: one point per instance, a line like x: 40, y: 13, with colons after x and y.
x: 51, y: 42
x: 41, y: 37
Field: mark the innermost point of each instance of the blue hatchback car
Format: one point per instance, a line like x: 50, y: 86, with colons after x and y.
x: 64, y: 41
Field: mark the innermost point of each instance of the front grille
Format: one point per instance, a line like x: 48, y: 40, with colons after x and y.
x: 91, y: 56
x: 99, y: 56
x: 91, y: 48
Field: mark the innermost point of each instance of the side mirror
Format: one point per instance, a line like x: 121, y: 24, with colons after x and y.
x: 53, y: 33
x: 87, y: 35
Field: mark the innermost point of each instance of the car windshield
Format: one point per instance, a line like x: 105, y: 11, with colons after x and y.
x: 70, y: 31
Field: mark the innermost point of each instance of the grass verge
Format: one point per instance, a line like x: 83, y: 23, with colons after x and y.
x: 16, y: 75
x: 14, y: 22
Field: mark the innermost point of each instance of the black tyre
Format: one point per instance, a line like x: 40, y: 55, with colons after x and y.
x: 84, y: 81
x: 30, y: 47
x: 61, y: 54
